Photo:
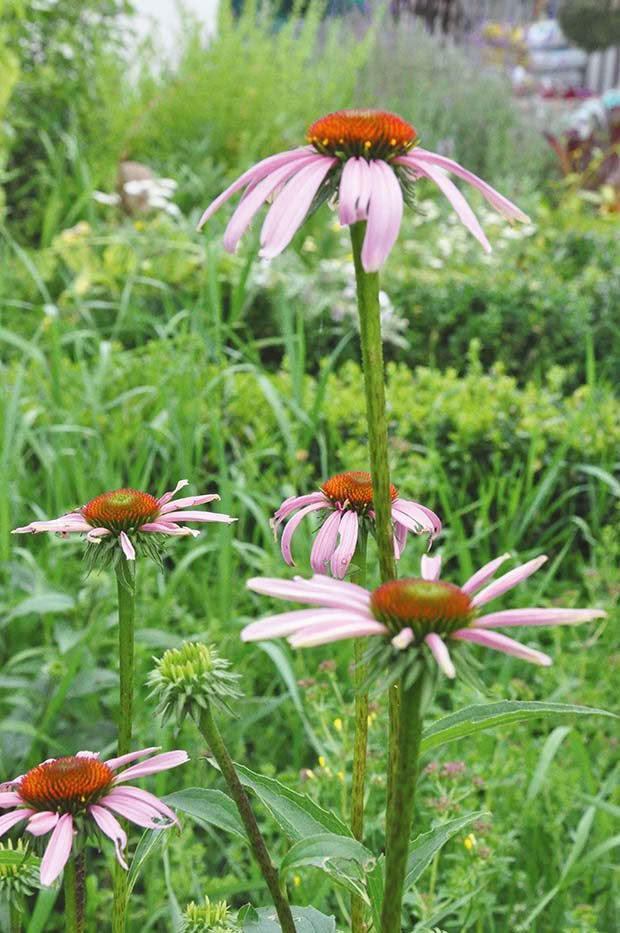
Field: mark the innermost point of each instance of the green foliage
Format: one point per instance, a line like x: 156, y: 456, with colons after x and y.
x: 590, y: 24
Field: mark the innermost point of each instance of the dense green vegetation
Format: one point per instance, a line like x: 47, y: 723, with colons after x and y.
x: 136, y: 352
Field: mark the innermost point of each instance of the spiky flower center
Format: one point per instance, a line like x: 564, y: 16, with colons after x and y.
x: 121, y: 510
x: 423, y: 606
x: 66, y: 785
x: 352, y: 489
x: 374, y: 134
x: 191, y: 662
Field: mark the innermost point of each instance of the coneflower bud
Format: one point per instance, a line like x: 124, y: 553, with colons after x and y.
x: 19, y: 871
x: 188, y: 679
x: 208, y: 918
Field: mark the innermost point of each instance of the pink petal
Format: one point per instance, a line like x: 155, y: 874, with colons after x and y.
x: 508, y: 580
x: 7, y: 820
x: 385, y: 213
x: 187, y: 502
x: 354, y: 191
x: 141, y: 808
x: 291, y: 528
x: 485, y: 573
x: 296, y: 502
x: 253, y: 200
x: 343, y: 554
x: 198, y: 517
x: 400, y: 539
x: 287, y: 623
x: 430, y: 567
x: 115, y: 763
x: 42, y: 822
x: 73, y: 522
x: 325, y: 542
x: 502, y: 643
x: 454, y: 196
x: 441, y: 654
x: 538, y: 617
x: 127, y: 547
x: 168, y: 528
x: 109, y: 825
x: 158, y: 763
x: 95, y: 533
x: 167, y: 496
x: 58, y: 850
x: 136, y: 793
x: 323, y: 633
x: 10, y: 798
x: 403, y: 639
x: 254, y: 174
x: 416, y: 517
x: 132, y: 811
x: 321, y: 590
x: 289, y: 209
x: 499, y: 202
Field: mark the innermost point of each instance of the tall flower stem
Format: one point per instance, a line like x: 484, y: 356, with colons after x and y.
x: 126, y: 587
x: 15, y: 916
x: 212, y: 736
x: 72, y: 921
x: 360, y: 746
x: 367, y: 285
x: 403, y: 791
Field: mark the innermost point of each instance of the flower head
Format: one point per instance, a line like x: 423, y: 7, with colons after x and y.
x: 410, y: 614
x: 188, y: 678
x: 74, y: 795
x: 208, y: 918
x: 348, y: 499
x: 369, y: 161
x: 116, y: 515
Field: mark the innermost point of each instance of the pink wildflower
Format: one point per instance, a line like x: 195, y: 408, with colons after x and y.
x: 127, y: 511
x: 409, y: 612
x: 62, y: 795
x: 348, y: 497
x: 367, y: 158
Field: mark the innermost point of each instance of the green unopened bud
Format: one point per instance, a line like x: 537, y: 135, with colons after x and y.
x: 208, y: 918
x: 19, y: 869
x: 188, y: 679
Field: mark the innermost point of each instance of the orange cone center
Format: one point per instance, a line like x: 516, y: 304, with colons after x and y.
x: 66, y: 784
x: 121, y: 510
x: 374, y: 134
x: 353, y: 488
x: 424, y: 606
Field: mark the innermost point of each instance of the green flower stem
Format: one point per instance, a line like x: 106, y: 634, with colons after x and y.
x: 72, y: 923
x: 214, y: 739
x: 360, y: 746
x: 126, y: 587
x: 15, y: 916
x: 372, y: 363
x: 403, y: 791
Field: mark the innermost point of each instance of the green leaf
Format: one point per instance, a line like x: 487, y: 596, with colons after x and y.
x: 306, y: 920
x: 296, y: 814
x: 149, y: 841
x: 552, y: 744
x: 344, y: 858
x: 210, y: 807
x: 477, y: 718
x: 375, y: 881
x: 44, y: 602
x: 424, y: 847
x: 44, y: 905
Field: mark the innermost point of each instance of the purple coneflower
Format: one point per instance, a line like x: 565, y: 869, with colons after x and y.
x: 367, y: 159
x: 64, y: 795
x: 408, y: 612
x: 348, y: 497
x: 127, y: 511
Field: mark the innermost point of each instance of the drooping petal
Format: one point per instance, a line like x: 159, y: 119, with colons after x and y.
x: 115, y: 763
x: 502, y: 643
x: 430, y: 567
x: 416, y: 517
x: 287, y: 623
x: 10, y: 798
x: 403, y: 639
x: 354, y: 191
x: 485, y: 573
x: 153, y: 765
x: 289, y: 209
x: 58, y: 849
x: 127, y: 547
x: 198, y: 516
x: 400, y: 539
x: 441, y: 654
x: 499, y: 202
x: 325, y: 542
x: 140, y: 808
x: 95, y: 533
x: 42, y: 822
x: 132, y: 811
x: 320, y: 590
x: 109, y: 825
x: 8, y: 820
x: 169, y: 528
x: 167, y: 496
x: 324, y: 633
x: 254, y: 174
x: 343, y: 554
x: 297, y: 502
x: 454, y: 196
x: 385, y: 212
x: 136, y: 793
x: 253, y: 200
x: 507, y: 581
x: 293, y: 524
x: 535, y: 616
x: 187, y: 502
x: 66, y: 524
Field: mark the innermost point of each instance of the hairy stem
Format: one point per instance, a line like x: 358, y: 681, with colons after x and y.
x: 72, y: 924
x: 360, y: 746
x: 214, y: 739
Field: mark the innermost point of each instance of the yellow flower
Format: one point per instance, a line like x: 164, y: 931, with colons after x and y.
x: 470, y: 842
x: 338, y: 724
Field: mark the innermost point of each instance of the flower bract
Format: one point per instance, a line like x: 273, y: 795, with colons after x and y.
x: 348, y: 499
x: 126, y: 514
x: 79, y: 794
x: 410, y: 613
x: 368, y: 160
